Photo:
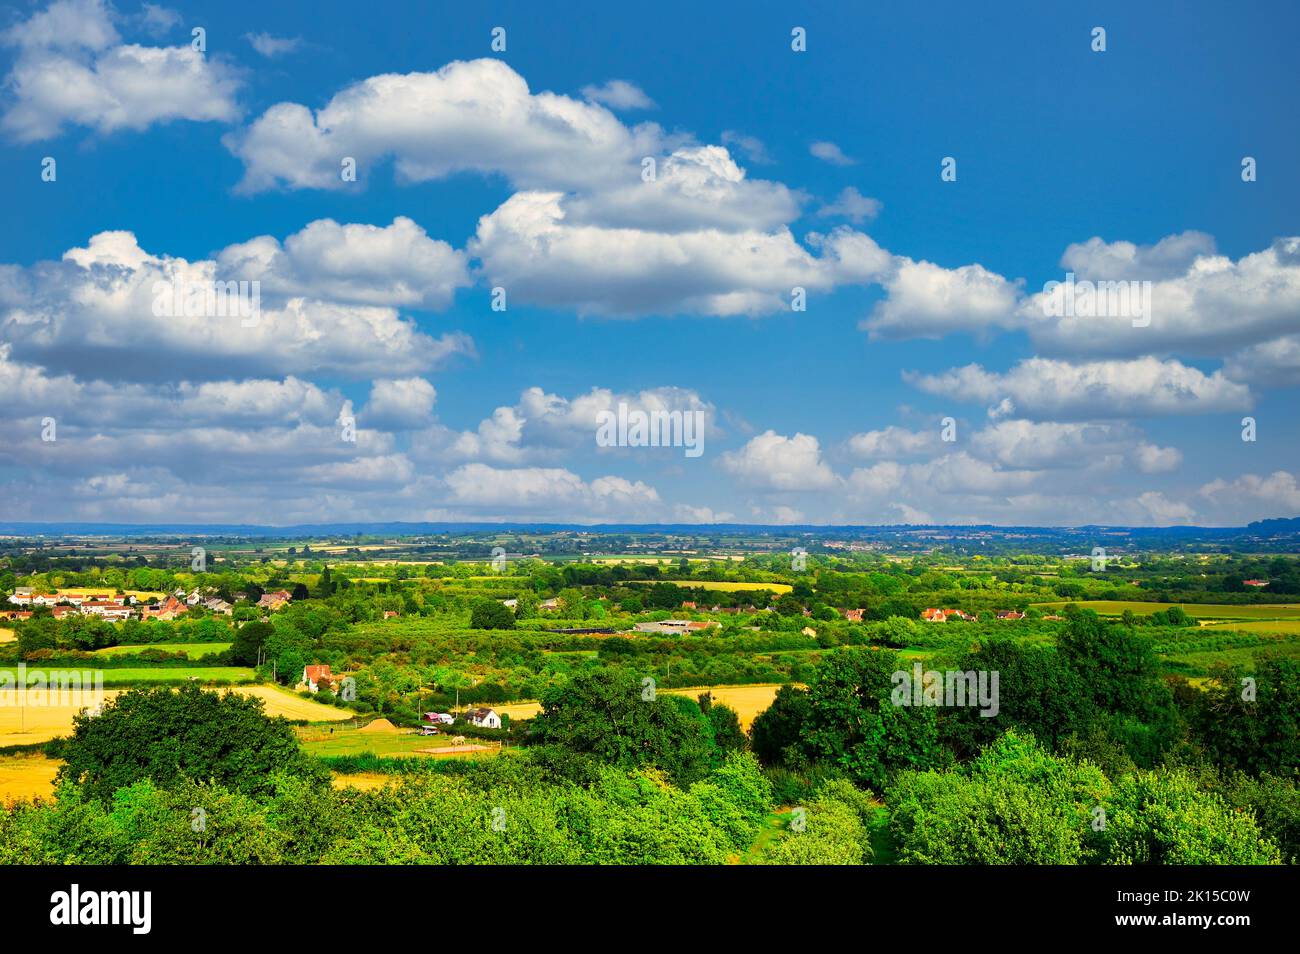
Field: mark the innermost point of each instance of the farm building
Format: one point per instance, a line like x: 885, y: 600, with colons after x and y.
x: 313, y: 677
x: 483, y: 718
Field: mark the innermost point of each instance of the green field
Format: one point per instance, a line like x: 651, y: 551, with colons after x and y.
x: 1200, y: 663
x: 1282, y: 627
x: 1198, y: 610
x: 206, y: 675
x: 346, y: 740
x: 193, y: 650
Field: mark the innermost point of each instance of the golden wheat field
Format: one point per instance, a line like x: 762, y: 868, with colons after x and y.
x: 748, y: 701
x: 26, y: 776
x: 364, y: 781
x: 24, y: 725
x: 7, y: 635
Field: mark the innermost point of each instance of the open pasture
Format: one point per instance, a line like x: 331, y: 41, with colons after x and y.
x: 192, y: 650
x: 1257, y: 611
x: 138, y: 675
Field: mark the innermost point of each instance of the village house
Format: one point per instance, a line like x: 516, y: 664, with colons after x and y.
x: 24, y: 596
x: 168, y: 610
x: 550, y: 604
x: 483, y: 718
x: 943, y: 615
x: 390, y: 614
x: 808, y: 631
x: 273, y: 601
x: 1256, y: 582
x: 218, y: 605
x: 107, y: 609
x: 314, y: 677
x: 854, y: 615
x: 688, y: 604
x: 1010, y: 614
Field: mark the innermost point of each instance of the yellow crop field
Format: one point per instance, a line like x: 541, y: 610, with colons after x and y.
x: 7, y: 635
x: 22, y: 725
x: 665, y: 560
x: 748, y: 701
x: 282, y: 703
x: 81, y: 591
x: 26, y: 776
x: 363, y: 781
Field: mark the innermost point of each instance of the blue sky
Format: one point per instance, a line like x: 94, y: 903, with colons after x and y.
x: 673, y: 295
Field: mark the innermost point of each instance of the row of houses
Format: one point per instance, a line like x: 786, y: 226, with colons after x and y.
x: 115, y: 607
x: 943, y: 615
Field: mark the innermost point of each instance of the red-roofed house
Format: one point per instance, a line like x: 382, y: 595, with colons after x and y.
x: 854, y: 615
x: 1256, y: 582
x: 943, y: 615
x: 170, y: 609
x: 313, y: 677
x: 275, y: 600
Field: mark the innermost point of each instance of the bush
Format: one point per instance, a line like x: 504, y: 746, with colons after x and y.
x: 835, y: 830
x: 1162, y: 818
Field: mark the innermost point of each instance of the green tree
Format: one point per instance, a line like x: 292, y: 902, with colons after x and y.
x: 612, y: 715
x: 490, y: 614
x: 171, y: 735
x: 775, y: 732
x: 853, y: 723
x: 249, y: 640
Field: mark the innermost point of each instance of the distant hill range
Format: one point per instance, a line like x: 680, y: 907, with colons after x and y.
x: 1280, y: 528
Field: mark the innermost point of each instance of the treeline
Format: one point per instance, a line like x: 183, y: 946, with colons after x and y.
x: 142, y: 785
x: 1085, y: 732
